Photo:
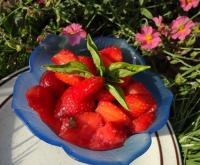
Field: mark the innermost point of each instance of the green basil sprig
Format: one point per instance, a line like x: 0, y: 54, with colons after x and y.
x: 118, y: 93
x: 112, y: 74
x: 95, y: 55
x: 124, y: 69
x: 73, y: 67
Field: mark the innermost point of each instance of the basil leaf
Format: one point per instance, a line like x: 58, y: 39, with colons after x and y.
x: 113, y: 79
x: 73, y: 67
x: 95, y: 55
x: 118, y: 94
x: 124, y: 69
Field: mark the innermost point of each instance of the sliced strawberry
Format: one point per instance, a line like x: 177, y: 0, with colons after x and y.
x: 135, y: 87
x: 106, y: 60
x: 91, y: 119
x: 71, y: 107
x: 104, y: 95
x: 69, y: 78
x: 73, y: 136
x: 107, y: 137
x: 64, y: 56
x: 79, y: 98
x: 67, y: 123
x: 111, y: 113
x: 52, y: 122
x: 86, y: 125
x: 40, y: 99
x: 112, y: 53
x: 126, y: 81
x: 140, y: 104
x: 89, y: 63
x: 143, y: 122
x: 49, y: 80
x: 43, y: 102
x: 87, y: 88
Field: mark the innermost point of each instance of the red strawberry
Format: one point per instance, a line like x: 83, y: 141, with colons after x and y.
x: 86, y: 125
x: 64, y: 56
x: 90, y: 119
x: 71, y: 107
x: 107, y: 137
x: 89, y: 63
x: 126, y: 81
x: 143, y: 122
x: 49, y: 80
x: 106, y: 60
x: 140, y: 104
x: 73, y: 136
x: 104, y: 95
x: 112, y: 53
x: 78, y: 98
x: 69, y: 79
x: 52, y: 122
x: 42, y: 101
x: 111, y: 113
x: 136, y: 87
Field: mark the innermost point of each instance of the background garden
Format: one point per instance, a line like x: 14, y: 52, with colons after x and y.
x: 167, y: 33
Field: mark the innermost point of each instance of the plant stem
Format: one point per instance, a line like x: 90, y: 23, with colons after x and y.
x: 181, y: 57
x: 194, y: 16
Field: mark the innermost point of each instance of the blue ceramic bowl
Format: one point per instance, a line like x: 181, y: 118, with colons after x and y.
x: 134, y: 146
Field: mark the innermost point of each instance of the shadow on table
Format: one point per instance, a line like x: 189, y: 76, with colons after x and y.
x: 14, y: 144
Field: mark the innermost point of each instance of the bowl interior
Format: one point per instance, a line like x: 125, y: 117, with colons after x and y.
x: 134, y: 146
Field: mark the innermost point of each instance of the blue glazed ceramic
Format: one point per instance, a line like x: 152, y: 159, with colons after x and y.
x: 134, y: 146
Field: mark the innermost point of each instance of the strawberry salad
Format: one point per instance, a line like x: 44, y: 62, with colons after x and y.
x: 93, y: 102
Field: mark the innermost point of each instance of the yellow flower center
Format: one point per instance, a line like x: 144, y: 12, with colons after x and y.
x: 181, y: 28
x: 148, y: 38
x: 188, y: 1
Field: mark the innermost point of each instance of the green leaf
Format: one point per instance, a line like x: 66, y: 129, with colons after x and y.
x: 145, y: 12
x: 113, y: 79
x: 95, y: 55
x: 118, y: 94
x: 141, y: 2
x: 195, y: 54
x: 179, y: 79
x: 73, y: 67
x: 191, y: 41
x: 124, y: 69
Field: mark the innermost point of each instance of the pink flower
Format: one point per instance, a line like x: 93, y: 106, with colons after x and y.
x: 75, y: 33
x: 162, y: 28
x: 158, y: 20
x: 39, y: 38
x: 188, y: 4
x: 148, y: 38
x: 181, y: 27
